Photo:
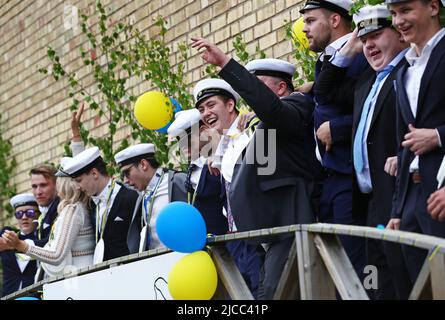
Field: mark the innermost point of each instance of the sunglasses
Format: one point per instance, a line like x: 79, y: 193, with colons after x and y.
x: 126, y: 173
x: 30, y: 213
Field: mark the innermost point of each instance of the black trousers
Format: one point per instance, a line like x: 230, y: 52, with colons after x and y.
x: 275, y: 259
x: 415, y: 218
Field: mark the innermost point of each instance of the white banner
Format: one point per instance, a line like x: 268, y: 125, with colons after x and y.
x: 141, y: 280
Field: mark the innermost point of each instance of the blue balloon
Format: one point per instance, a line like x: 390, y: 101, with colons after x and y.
x: 27, y: 298
x: 181, y: 227
x: 177, y: 108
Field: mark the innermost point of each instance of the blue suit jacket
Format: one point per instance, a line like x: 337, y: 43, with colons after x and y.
x: 340, y: 121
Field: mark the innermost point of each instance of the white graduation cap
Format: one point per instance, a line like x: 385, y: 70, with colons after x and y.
x: 129, y: 154
x: 23, y: 199
x: 372, y: 18
x: 63, y: 162
x: 184, y: 120
x: 211, y: 87
x: 341, y: 7
x: 272, y: 67
x: 81, y: 162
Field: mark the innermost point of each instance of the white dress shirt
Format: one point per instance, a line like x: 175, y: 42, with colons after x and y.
x: 101, y: 201
x: 413, y: 78
x: 160, y: 200
x: 196, y: 174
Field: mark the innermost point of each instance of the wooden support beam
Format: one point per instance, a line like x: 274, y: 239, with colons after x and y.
x: 315, y: 282
x: 422, y: 287
x: 340, y: 268
x: 228, y: 273
x: 437, y: 267
x: 288, y: 287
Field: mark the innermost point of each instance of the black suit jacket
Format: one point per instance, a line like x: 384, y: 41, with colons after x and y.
x: 430, y: 114
x: 12, y: 275
x: 282, y: 197
x: 381, y: 139
x: 50, y: 217
x: 115, y: 233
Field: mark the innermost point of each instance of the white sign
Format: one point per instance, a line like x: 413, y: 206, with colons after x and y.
x: 141, y: 280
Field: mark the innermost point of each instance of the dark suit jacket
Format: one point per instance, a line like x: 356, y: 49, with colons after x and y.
x: 51, y: 215
x: 339, y: 116
x: 115, y: 233
x: 209, y: 203
x: 12, y: 275
x: 381, y: 139
x: 284, y: 196
x: 430, y: 114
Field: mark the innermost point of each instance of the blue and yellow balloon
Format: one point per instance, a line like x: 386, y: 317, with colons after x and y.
x: 193, y: 277
x: 154, y: 110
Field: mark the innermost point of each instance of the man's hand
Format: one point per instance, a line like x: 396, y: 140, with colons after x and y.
x: 212, y: 53
x: 420, y: 141
x: 75, y: 123
x: 324, y: 135
x: 306, y: 87
x: 436, y: 205
x: 11, y: 238
x: 353, y: 46
x: 4, y: 246
x: 393, y: 224
x: 213, y: 171
x: 391, y: 166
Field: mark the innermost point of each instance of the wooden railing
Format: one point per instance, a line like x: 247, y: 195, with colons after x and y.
x: 317, y: 266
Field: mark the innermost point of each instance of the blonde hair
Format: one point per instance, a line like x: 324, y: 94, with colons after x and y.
x: 69, y: 193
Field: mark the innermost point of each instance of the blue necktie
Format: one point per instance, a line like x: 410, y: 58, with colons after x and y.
x: 358, y: 145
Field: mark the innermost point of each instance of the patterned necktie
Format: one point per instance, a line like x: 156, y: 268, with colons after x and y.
x: 359, y: 135
x: 187, y: 182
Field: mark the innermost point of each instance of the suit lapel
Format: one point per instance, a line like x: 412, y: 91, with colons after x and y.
x: 387, y: 87
x: 114, y: 209
x: 202, y: 180
x: 431, y: 67
x: 361, y: 98
x: 402, y: 97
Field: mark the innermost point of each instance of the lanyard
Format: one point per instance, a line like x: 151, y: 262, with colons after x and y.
x: 192, y: 198
x: 149, y: 199
x: 105, y: 214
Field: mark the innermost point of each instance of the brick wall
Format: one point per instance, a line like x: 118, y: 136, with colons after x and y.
x: 35, y: 108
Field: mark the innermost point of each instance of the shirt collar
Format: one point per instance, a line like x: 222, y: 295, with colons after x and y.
x: 394, y: 62
x: 233, y: 130
x: 200, y: 162
x: 411, y: 56
x: 337, y: 44
x: 103, y: 194
x: 154, y: 179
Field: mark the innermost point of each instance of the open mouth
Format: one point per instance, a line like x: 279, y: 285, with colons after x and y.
x: 211, y: 122
x: 375, y: 54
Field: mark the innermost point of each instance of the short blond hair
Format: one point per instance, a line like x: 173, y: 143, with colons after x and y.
x: 69, y: 193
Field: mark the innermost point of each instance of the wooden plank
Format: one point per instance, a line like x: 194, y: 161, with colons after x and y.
x: 315, y: 283
x: 288, y: 287
x: 437, y: 267
x: 340, y: 268
x: 229, y: 274
x: 422, y: 287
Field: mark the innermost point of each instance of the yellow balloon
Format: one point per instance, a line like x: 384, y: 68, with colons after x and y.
x: 193, y: 277
x: 298, y: 35
x: 153, y: 110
